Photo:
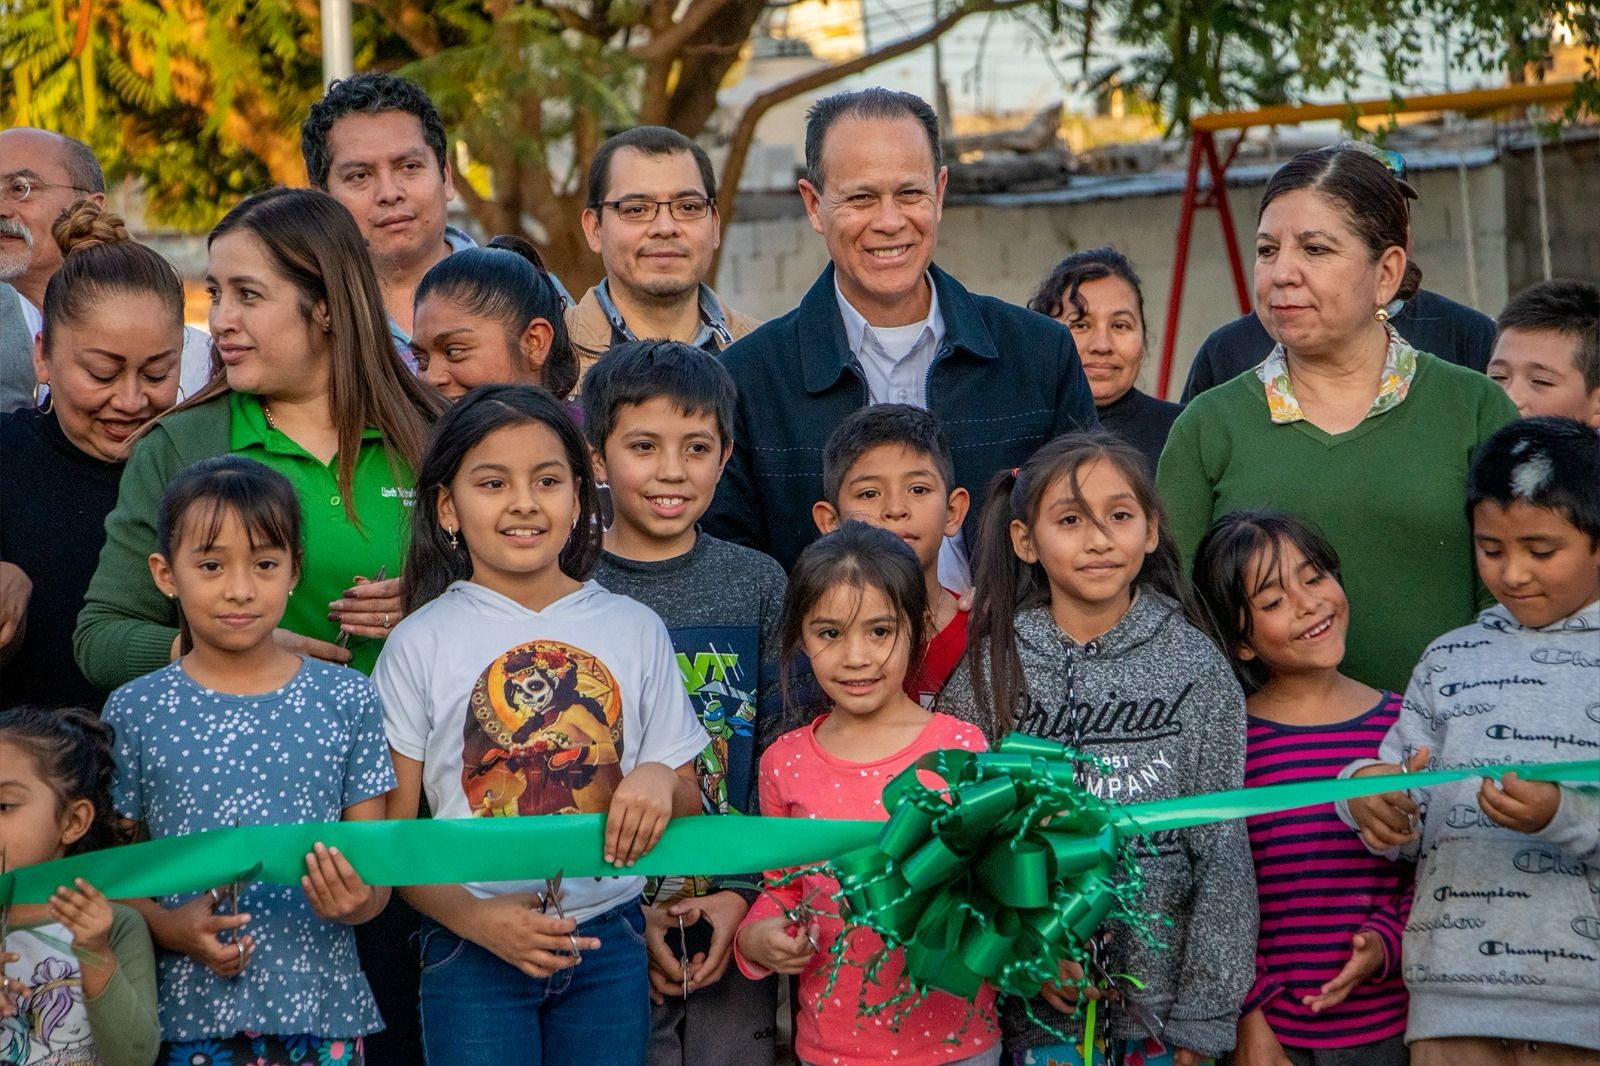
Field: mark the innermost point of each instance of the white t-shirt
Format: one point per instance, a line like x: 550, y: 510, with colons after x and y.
x: 519, y: 712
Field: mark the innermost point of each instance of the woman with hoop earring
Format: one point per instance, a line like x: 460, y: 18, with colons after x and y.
x: 107, y: 363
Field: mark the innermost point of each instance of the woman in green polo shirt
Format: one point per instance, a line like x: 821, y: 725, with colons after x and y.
x: 312, y: 388
x: 1345, y: 423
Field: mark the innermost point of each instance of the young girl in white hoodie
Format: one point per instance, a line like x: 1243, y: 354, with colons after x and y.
x: 516, y: 687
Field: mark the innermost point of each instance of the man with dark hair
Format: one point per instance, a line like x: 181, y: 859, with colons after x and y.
x: 1427, y: 321
x: 375, y: 143
x: 1547, y: 351
x: 884, y: 325
x: 652, y: 217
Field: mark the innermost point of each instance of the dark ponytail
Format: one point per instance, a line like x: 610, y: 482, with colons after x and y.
x: 1006, y: 585
x: 507, y: 280
x: 73, y: 752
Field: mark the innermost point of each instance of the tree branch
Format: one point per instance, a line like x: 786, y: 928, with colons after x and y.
x: 666, y: 44
x: 744, y: 130
x: 411, y: 23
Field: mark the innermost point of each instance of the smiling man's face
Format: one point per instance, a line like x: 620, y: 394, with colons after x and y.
x: 662, y: 260
x: 382, y: 170
x: 878, y: 210
x: 28, y: 253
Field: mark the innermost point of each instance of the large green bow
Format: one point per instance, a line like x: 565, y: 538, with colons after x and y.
x: 996, y: 874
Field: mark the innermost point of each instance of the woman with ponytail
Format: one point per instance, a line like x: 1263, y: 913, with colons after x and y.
x: 1345, y: 423
x: 107, y: 363
x: 1084, y: 633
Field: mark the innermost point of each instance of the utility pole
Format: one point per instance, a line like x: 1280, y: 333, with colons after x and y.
x: 941, y: 91
x: 337, y: 50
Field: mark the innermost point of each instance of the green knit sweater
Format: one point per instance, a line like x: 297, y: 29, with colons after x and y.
x: 1387, y: 493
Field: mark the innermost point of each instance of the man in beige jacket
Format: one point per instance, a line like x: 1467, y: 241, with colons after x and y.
x: 652, y: 216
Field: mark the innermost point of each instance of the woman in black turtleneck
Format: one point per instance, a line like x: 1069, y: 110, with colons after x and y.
x: 106, y: 364
x: 1096, y: 294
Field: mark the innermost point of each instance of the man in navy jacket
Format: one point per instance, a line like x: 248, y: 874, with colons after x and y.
x: 884, y: 325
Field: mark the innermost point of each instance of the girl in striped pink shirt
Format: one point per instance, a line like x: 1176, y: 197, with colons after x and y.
x: 1328, y: 990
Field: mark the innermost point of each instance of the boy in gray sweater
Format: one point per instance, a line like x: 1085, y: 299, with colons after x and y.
x: 658, y: 416
x: 1502, y: 950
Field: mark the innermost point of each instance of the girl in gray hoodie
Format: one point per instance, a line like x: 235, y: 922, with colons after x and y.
x: 1080, y: 634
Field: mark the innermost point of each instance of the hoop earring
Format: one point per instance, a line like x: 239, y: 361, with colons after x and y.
x: 455, y: 542
x: 1381, y: 314
x: 48, y: 403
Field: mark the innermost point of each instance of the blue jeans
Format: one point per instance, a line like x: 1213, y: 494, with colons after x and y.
x: 478, y: 1009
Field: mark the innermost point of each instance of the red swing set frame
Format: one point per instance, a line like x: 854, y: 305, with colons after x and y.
x: 1203, y: 132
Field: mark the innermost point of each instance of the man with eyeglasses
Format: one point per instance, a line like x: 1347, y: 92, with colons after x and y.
x: 41, y: 174
x: 652, y: 216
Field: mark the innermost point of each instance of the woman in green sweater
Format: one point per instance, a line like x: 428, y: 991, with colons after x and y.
x: 312, y: 388
x: 1345, y: 424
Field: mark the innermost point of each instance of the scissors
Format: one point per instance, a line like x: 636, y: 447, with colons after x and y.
x: 1124, y: 990
x: 343, y: 639
x: 683, y: 960
x: 800, y: 914
x: 552, y: 896
x: 5, y: 919
x: 226, y: 900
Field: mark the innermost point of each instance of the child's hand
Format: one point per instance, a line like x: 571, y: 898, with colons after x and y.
x: 1366, y: 959
x: 193, y: 929
x: 724, y: 910
x: 1526, y: 806
x: 640, y: 810
x: 1390, y: 819
x: 1069, y: 987
x: 334, y: 889
x: 1188, y: 1056
x: 11, y: 989
x: 1256, y: 1044
x: 87, y: 916
x: 766, y: 944
x: 512, y: 927
x: 665, y: 969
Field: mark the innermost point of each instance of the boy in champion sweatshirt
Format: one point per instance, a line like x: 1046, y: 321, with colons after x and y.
x: 1155, y: 700
x: 1502, y: 949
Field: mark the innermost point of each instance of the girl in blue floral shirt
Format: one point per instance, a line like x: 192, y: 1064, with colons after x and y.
x: 237, y: 731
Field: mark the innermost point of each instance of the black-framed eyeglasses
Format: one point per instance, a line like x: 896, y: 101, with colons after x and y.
x: 687, y: 209
x: 16, y: 188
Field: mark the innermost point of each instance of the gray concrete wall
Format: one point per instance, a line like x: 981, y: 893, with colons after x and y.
x: 1004, y: 245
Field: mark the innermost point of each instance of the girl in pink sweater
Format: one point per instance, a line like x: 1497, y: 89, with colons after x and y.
x: 855, y: 609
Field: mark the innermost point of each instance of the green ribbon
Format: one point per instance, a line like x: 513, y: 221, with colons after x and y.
x: 995, y: 874
x: 1007, y: 867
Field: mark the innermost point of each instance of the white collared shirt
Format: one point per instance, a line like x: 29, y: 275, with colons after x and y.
x: 895, y: 359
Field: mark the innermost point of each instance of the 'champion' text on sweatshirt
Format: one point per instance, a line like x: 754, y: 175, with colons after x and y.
x: 1504, y: 934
